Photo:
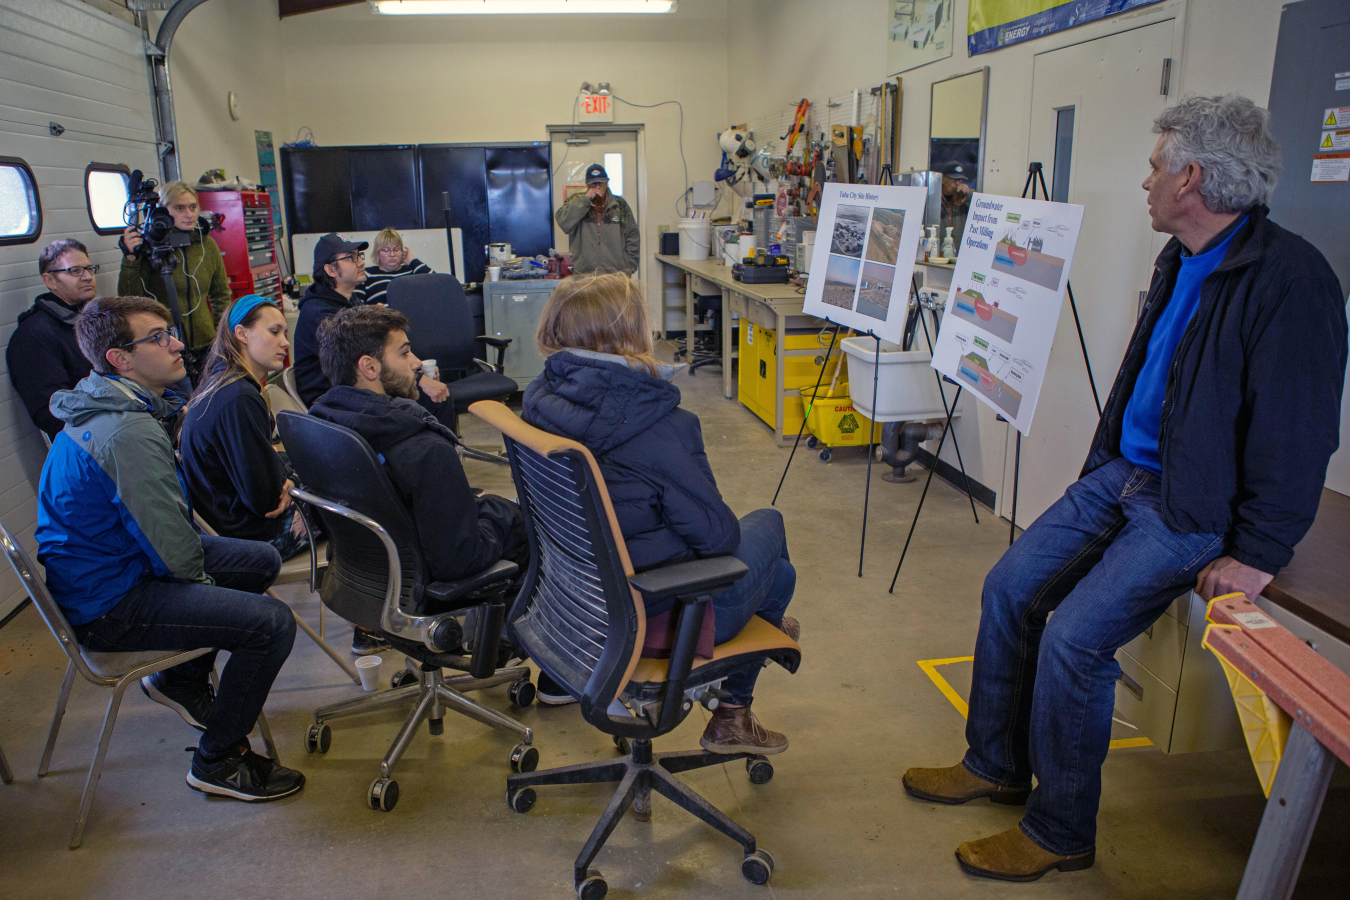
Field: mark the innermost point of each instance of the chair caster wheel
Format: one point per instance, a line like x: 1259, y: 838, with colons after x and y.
x: 436, y: 727
x: 524, y: 758
x: 402, y: 678
x: 592, y: 887
x: 520, y: 799
x: 383, y: 794
x: 319, y: 738
x: 759, y: 769
x: 812, y: 442
x: 824, y: 455
x: 521, y: 693
x: 623, y: 745
x: 757, y: 867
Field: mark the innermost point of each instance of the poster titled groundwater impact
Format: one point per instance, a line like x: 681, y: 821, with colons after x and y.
x: 864, y: 257
x: 1003, y: 306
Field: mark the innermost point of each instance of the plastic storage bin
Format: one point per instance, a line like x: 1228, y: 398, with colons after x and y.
x: 833, y: 420
x: 907, y: 387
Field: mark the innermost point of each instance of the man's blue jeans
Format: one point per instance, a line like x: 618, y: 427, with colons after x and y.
x: 1042, y: 692
x: 765, y: 591
x: 233, y: 614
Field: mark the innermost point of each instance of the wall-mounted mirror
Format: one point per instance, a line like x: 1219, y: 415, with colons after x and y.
x: 956, y: 126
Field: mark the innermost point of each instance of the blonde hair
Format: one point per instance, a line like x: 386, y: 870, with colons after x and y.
x: 173, y: 189
x: 386, y: 238
x: 603, y: 313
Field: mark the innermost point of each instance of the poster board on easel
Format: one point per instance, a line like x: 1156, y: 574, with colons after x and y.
x: 1006, y: 295
x: 866, y: 242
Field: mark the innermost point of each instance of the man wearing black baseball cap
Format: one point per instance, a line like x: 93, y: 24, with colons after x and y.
x: 339, y: 269
x: 601, y: 229
x: 955, y: 200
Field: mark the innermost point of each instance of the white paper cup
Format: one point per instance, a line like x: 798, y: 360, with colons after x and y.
x: 368, y: 667
x: 429, y: 368
x: 494, y: 273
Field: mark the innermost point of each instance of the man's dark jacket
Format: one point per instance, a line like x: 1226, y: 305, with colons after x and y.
x: 233, y: 472
x: 319, y: 303
x: 44, y: 357
x: 1252, y: 409
x: 460, y: 535
x: 649, y: 450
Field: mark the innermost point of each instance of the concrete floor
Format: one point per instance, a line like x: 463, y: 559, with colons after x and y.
x: 858, y: 713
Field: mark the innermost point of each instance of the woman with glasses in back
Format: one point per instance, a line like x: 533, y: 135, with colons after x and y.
x: 199, y: 278
x: 392, y: 260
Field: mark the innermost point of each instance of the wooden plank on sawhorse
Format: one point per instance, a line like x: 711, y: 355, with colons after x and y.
x: 1295, y: 711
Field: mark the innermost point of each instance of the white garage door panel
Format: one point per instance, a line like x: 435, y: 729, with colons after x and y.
x: 60, y: 61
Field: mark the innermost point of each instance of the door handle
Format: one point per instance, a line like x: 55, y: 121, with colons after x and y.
x: 1132, y: 686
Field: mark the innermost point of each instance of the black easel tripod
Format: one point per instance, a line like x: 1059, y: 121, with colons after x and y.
x: 1035, y: 175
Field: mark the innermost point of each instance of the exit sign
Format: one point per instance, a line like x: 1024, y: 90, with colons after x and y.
x: 596, y: 108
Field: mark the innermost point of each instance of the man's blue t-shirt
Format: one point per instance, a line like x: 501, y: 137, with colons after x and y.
x: 1142, y: 426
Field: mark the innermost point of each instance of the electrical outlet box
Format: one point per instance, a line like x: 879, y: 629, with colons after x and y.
x: 704, y: 194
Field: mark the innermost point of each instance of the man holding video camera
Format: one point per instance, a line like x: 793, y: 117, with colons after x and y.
x: 199, y: 276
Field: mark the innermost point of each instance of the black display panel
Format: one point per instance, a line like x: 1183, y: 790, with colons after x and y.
x: 385, y: 190
x: 462, y: 171
x: 317, y: 186
x: 519, y: 204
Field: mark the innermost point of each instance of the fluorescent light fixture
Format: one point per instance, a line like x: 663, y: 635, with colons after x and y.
x: 517, y: 7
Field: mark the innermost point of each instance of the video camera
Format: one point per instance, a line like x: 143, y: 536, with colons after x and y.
x: 155, y: 223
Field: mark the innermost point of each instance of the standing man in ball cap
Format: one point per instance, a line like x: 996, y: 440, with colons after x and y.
x: 601, y: 229
x: 955, y: 200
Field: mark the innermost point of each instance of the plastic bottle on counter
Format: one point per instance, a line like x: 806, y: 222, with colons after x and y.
x: 948, y: 245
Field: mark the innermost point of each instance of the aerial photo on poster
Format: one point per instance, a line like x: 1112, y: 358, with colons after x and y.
x: 850, y: 228
x: 883, y: 243
x: 874, y: 291
x: 841, y: 281
x: 1004, y: 303
x: 861, y: 274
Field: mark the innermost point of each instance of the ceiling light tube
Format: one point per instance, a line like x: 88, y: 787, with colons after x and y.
x: 517, y: 7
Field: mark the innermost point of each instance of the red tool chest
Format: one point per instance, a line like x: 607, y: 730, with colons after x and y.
x: 246, y: 240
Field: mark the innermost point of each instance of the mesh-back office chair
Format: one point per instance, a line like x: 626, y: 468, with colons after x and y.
x: 708, y: 344
x: 377, y: 578
x: 580, y: 617
x: 441, y: 327
x: 115, y: 670
x: 288, y: 382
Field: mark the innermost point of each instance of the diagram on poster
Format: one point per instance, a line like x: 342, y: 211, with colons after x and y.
x: 864, y: 257
x: 1004, y: 303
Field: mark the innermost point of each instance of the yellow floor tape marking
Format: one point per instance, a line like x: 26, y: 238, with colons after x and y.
x: 929, y: 667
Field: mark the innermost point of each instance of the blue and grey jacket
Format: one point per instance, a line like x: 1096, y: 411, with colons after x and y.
x: 113, y: 504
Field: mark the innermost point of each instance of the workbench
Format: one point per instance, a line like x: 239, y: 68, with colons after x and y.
x: 780, y: 303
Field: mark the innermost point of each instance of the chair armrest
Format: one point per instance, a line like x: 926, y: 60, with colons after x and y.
x: 500, y: 344
x: 469, y: 588
x: 695, y: 577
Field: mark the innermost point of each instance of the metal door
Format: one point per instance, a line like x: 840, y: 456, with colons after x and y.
x: 572, y: 153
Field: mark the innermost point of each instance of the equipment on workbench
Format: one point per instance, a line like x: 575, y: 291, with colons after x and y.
x: 751, y: 274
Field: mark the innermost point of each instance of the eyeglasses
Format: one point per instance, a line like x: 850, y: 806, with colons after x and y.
x: 354, y: 257
x: 161, y: 339
x: 77, y: 271
x: 391, y: 249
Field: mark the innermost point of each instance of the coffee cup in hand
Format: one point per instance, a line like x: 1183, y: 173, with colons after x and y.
x: 429, y: 368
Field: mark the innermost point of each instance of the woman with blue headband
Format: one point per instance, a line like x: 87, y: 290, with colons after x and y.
x: 239, y: 483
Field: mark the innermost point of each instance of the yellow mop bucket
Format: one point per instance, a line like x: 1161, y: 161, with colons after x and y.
x: 833, y: 422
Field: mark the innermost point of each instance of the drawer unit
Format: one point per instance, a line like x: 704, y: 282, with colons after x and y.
x: 1160, y: 649
x: 511, y: 309
x: 245, y: 239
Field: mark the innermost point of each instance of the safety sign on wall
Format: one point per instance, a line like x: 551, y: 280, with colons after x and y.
x: 866, y: 242
x: 1005, y: 299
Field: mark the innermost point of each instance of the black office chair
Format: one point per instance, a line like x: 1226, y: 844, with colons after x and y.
x: 580, y: 616
x: 378, y: 579
x: 708, y: 344
x: 441, y: 327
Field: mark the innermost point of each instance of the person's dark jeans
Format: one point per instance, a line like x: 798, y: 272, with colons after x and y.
x: 766, y: 590
x: 1042, y: 692
x: 233, y: 614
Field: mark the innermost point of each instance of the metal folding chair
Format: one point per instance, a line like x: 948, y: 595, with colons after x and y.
x: 113, y: 670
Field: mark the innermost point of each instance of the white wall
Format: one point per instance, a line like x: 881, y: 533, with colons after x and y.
x: 1229, y: 46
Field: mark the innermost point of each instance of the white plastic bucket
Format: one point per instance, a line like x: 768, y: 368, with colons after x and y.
x: 695, y: 238
x: 907, y: 386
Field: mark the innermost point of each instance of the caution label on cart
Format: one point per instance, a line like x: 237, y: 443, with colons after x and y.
x: 848, y: 424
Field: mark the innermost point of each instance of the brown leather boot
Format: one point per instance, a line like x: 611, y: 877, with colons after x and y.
x: 792, y: 628
x: 1012, y: 856
x: 957, y: 784
x: 734, y: 729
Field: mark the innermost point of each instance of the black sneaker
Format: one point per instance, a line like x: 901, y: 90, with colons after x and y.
x: 244, y: 775
x: 550, y: 693
x: 366, y: 642
x: 191, y: 701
